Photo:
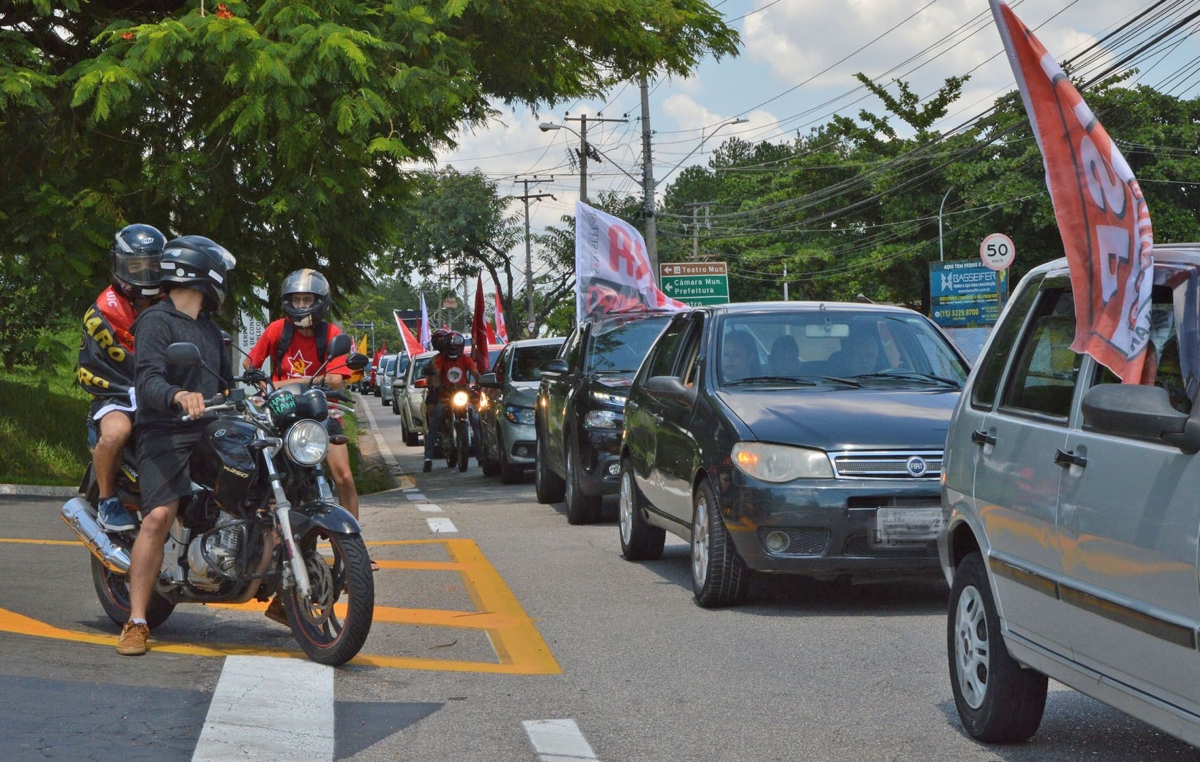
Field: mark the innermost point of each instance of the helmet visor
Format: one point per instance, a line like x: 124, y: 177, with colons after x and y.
x: 139, y: 269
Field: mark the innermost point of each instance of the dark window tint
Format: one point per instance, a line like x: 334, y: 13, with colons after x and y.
x: 666, y: 349
x: 1043, y: 380
x: 500, y: 367
x: 991, y: 366
x: 527, y: 362
x: 620, y: 347
x: 570, y: 350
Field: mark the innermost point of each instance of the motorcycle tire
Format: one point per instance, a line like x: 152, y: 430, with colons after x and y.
x: 315, y: 626
x: 449, y: 449
x: 113, y: 591
x: 464, y: 444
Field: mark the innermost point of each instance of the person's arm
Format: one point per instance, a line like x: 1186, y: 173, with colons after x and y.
x: 153, y: 389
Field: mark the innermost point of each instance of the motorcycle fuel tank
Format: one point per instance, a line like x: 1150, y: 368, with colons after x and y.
x: 223, y: 461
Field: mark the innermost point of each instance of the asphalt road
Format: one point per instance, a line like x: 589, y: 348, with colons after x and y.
x: 506, y: 616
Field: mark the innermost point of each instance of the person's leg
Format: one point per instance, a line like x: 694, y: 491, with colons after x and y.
x: 431, y: 432
x: 114, y: 429
x: 337, y: 462
x: 145, y: 561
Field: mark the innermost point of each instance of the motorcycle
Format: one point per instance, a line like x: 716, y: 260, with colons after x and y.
x: 455, y: 434
x: 256, y: 523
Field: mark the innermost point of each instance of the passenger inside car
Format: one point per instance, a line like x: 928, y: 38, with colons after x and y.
x: 859, y: 353
x: 785, y: 356
x: 738, y: 358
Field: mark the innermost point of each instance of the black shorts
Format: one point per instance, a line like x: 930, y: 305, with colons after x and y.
x: 102, y: 406
x: 162, y: 456
x: 334, y: 426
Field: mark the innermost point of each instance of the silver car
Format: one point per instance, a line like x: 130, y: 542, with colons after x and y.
x: 506, y: 407
x: 409, y: 392
x: 387, y: 365
x: 1072, y: 515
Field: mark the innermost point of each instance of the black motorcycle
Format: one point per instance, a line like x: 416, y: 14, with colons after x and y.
x: 257, y: 523
x: 455, y: 435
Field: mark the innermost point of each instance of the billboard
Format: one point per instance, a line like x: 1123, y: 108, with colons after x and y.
x: 965, y: 293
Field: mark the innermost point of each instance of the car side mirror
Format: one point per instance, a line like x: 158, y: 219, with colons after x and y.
x: 1141, y: 412
x: 339, y: 345
x: 489, y: 380
x: 669, y: 387
x: 183, y: 354
x: 555, y: 368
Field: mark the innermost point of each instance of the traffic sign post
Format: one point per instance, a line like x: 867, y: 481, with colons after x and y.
x: 997, y: 251
x: 695, y: 283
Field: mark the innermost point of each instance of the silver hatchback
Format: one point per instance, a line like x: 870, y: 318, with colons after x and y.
x: 1072, y: 515
x: 506, y: 407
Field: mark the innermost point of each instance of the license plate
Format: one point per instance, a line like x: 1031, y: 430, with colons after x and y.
x: 898, y: 527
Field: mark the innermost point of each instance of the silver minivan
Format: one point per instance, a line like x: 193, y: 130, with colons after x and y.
x: 1072, y: 515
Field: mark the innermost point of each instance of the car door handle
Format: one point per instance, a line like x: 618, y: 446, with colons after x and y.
x: 982, y: 438
x: 1066, y: 459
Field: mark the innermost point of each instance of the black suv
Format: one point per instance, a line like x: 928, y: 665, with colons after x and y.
x: 580, y: 412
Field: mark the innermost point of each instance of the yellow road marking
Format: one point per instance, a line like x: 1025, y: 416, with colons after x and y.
x: 42, y: 542
x: 518, y: 644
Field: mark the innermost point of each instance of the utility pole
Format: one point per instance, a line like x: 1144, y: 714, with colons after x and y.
x: 584, y: 147
x: 696, y: 226
x: 785, y: 284
x: 648, y: 182
x: 528, y: 254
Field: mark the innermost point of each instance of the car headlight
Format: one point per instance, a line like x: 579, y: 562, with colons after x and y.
x: 307, y: 443
x: 780, y: 463
x: 612, y: 399
x: 603, y: 419
x: 519, y: 415
x: 460, y: 399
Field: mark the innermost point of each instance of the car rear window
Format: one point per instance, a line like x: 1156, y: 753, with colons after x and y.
x: 526, y: 365
x: 620, y: 347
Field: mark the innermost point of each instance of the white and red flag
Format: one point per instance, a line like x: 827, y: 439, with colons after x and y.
x: 411, y: 344
x: 501, y: 328
x: 1101, y: 212
x: 612, y: 271
x: 479, y: 330
x: 424, y: 335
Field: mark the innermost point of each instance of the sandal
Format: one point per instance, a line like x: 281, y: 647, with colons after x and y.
x: 374, y: 566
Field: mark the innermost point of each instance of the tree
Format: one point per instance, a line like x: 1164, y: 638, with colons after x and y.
x: 283, y: 130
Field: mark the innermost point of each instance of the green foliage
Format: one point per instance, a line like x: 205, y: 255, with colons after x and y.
x: 43, y: 435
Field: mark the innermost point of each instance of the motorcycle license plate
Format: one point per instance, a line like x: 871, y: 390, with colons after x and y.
x: 903, y: 527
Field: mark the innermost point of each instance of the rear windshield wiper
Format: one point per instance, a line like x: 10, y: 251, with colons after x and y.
x: 912, y: 375
x: 771, y: 380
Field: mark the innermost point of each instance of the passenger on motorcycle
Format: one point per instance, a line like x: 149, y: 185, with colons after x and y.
x: 194, y: 269
x: 451, y: 366
x: 106, y: 360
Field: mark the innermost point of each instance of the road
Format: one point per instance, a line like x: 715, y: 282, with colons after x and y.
x: 503, y: 634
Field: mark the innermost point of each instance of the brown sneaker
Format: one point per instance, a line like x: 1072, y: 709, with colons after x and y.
x: 276, y: 613
x: 133, y: 639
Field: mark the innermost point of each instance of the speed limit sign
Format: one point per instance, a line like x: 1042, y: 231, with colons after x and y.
x: 997, y: 251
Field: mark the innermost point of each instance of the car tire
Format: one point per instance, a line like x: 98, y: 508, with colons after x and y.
x: 719, y: 575
x: 547, y: 485
x: 490, y: 466
x: 581, y: 508
x: 395, y: 405
x: 639, y: 540
x: 411, y: 438
x: 998, y: 700
x: 509, y: 474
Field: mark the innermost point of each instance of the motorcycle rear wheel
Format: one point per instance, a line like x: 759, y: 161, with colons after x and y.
x: 113, y: 591
x: 344, y: 587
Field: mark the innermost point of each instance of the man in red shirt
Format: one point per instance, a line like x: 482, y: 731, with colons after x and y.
x: 450, y: 367
x: 296, y: 345
x: 106, y: 364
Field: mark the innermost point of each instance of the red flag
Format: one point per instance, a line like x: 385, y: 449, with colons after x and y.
x: 411, y: 344
x: 379, y: 353
x: 491, y: 334
x: 501, y: 328
x: 479, y: 338
x: 1100, y: 209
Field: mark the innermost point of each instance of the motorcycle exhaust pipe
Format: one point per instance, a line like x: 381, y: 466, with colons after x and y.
x: 80, y: 517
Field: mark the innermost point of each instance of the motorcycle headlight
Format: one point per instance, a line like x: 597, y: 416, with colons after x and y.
x: 460, y: 399
x: 307, y: 443
x: 779, y: 463
x: 603, y: 419
x: 519, y: 415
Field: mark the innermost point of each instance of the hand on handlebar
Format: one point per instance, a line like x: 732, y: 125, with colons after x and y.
x: 191, y: 403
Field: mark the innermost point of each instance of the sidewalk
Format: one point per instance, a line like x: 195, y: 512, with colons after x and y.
x: 37, y: 490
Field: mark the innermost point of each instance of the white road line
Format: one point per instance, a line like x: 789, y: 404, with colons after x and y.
x: 429, y: 508
x: 269, y: 708
x: 558, y: 741
x: 384, y: 450
x: 415, y: 496
x: 441, y: 525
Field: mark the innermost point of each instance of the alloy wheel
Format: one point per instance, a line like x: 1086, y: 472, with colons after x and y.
x: 626, y: 507
x: 700, y: 542
x: 971, y: 647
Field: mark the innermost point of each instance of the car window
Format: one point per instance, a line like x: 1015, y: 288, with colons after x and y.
x: 527, y: 362
x: 665, y: 354
x: 1043, y: 380
x: 570, y: 349
x: 620, y: 347
x: 500, y: 366
x: 689, y: 366
x: 991, y: 366
x: 419, y: 366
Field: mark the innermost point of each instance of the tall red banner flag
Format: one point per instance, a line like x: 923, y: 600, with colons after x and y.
x: 479, y: 339
x: 411, y: 344
x: 1101, y: 212
x: 501, y: 328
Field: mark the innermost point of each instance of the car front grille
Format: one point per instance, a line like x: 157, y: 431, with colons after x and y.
x: 926, y: 464
x: 859, y: 546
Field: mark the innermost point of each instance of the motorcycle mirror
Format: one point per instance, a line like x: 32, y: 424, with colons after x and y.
x: 183, y: 354
x: 356, y: 361
x: 339, y: 345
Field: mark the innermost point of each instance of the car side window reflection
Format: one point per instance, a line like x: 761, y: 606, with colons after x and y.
x: 666, y: 350
x: 1043, y: 380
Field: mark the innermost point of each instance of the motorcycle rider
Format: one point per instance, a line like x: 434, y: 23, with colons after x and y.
x: 450, y: 367
x: 194, y: 270
x: 106, y: 360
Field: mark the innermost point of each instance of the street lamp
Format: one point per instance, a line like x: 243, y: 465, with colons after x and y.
x: 583, y: 147
x: 940, y: 206
x: 703, y: 139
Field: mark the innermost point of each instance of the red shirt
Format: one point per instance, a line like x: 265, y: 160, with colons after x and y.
x: 452, y: 372
x: 300, y: 360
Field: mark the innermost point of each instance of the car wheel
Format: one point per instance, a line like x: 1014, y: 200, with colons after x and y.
x: 581, y: 508
x: 639, y: 540
x: 411, y: 438
x: 490, y: 466
x: 998, y: 700
x: 395, y: 405
x: 509, y: 474
x: 719, y: 575
x: 547, y: 485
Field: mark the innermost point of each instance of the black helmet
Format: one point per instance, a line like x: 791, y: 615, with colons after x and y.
x: 452, y: 345
x: 199, y: 263
x: 134, y: 259
x: 437, y: 338
x: 306, y: 281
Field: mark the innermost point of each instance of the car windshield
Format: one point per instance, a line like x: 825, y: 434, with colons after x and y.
x: 620, y: 347
x: 419, y: 366
x: 526, y: 365
x: 845, y: 348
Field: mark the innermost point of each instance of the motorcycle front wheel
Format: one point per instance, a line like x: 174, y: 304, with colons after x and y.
x: 464, y: 444
x: 332, y: 627
x: 113, y: 591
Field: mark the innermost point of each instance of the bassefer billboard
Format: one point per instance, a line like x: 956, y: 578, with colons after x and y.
x: 965, y: 293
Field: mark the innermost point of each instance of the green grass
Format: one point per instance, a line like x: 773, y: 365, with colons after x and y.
x: 370, y: 474
x: 43, y: 430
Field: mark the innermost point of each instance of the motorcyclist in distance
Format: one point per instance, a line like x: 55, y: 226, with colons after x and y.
x: 106, y: 359
x: 451, y: 366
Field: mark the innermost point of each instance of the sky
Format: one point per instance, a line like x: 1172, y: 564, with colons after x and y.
x: 795, y: 70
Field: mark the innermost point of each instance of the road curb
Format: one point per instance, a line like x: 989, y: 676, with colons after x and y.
x: 37, y: 490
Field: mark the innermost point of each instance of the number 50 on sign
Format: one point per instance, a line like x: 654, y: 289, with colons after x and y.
x: 997, y: 251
